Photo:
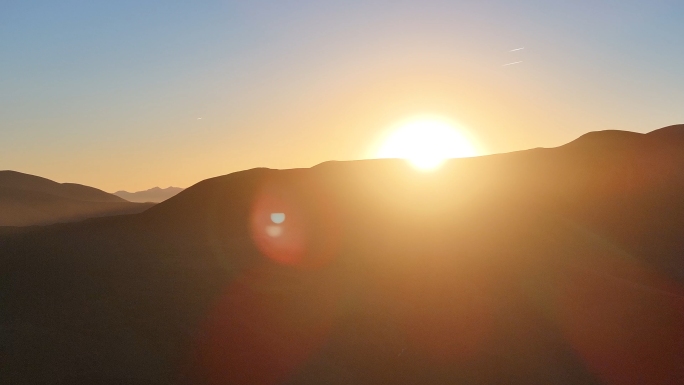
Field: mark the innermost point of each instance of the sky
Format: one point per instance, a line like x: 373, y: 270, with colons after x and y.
x: 134, y: 94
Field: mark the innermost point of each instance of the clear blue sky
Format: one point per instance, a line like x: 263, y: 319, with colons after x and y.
x: 110, y: 93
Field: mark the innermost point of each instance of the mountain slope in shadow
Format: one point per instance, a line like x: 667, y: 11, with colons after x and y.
x: 547, y: 266
x: 27, y: 200
x: 155, y: 195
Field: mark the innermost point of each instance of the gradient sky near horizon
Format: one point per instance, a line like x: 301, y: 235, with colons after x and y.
x: 109, y: 94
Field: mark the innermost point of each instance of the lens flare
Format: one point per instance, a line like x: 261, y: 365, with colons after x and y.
x: 293, y: 224
x: 274, y: 231
x: 283, y: 241
x: 278, y: 218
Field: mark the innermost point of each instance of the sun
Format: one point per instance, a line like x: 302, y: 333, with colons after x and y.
x: 426, y: 143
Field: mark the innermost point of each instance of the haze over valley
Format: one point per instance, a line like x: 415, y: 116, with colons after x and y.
x: 27, y: 200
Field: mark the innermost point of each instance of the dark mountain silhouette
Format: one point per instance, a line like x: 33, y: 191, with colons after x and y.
x: 155, y: 194
x: 27, y: 200
x: 546, y: 266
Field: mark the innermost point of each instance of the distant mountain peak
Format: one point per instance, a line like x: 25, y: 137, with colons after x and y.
x: 155, y: 194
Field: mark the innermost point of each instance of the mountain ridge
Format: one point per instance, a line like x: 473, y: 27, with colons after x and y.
x: 534, y: 267
x: 22, y: 181
x: 155, y: 194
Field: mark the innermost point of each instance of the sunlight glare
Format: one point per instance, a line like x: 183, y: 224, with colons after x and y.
x: 426, y: 143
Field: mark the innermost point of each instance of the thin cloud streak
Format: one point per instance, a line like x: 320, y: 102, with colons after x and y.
x: 510, y: 64
x: 517, y: 49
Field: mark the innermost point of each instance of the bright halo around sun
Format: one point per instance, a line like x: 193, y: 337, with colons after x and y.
x: 426, y: 143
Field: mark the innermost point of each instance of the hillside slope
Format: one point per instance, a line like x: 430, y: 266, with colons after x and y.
x: 27, y: 200
x: 547, y: 266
